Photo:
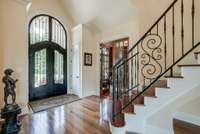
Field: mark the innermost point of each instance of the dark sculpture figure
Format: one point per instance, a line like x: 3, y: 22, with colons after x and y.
x: 10, y: 111
x: 10, y: 85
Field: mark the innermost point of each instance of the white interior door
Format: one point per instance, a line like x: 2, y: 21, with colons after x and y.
x: 75, y: 76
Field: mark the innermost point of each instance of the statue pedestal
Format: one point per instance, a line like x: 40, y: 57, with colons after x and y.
x: 12, y: 125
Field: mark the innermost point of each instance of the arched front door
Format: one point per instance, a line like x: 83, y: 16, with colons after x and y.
x: 47, y: 58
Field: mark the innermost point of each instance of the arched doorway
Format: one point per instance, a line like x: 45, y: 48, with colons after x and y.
x: 47, y: 57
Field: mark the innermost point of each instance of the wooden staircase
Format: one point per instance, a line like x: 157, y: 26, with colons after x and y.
x: 151, y: 94
x: 150, y: 67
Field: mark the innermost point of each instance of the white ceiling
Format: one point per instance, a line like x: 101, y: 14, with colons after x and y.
x: 100, y: 14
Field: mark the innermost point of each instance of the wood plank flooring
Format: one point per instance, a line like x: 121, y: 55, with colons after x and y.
x: 182, y: 127
x: 87, y: 116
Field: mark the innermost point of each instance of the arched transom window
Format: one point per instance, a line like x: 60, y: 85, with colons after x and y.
x: 47, y: 28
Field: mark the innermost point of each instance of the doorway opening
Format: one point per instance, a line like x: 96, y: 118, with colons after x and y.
x: 111, y: 53
x: 47, y: 57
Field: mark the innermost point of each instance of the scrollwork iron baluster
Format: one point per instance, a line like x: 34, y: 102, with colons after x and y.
x: 151, y: 67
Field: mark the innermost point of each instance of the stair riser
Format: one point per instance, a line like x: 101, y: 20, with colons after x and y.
x: 173, y: 81
x: 139, y: 110
x: 190, y: 72
x: 160, y: 92
x: 198, y: 58
x: 148, y: 101
x: 137, y: 123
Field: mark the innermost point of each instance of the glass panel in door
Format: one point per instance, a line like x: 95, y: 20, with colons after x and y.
x: 58, y: 68
x: 40, y: 71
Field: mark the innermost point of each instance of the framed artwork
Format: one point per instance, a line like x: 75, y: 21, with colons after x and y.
x: 87, y: 59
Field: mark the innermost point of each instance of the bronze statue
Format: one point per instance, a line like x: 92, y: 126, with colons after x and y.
x: 10, y: 111
x: 10, y: 85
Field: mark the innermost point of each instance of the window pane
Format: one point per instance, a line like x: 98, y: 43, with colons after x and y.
x: 39, y: 29
x: 58, y: 33
x: 40, y: 75
x: 58, y: 68
x: 105, y: 63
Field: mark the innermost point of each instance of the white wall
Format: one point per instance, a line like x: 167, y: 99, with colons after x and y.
x: 15, y: 48
x: 1, y: 57
x: 14, y: 21
x: 77, y: 39
x: 149, y: 11
x: 89, y: 78
x: 129, y: 29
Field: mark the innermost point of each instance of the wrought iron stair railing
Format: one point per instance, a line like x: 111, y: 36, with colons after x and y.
x: 170, y: 39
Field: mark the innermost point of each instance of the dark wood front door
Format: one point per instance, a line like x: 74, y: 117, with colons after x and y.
x: 47, y: 57
x: 47, y: 69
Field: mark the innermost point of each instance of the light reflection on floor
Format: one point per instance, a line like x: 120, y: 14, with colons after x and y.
x: 87, y: 116
x: 105, y: 106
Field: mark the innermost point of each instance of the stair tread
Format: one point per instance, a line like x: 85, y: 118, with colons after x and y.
x: 139, y: 100
x: 198, y: 52
x: 139, y: 104
x: 129, y: 108
x: 189, y: 65
x: 164, y: 87
x: 160, y: 83
x: 131, y: 132
x: 146, y: 95
x: 133, y: 113
x: 175, y: 76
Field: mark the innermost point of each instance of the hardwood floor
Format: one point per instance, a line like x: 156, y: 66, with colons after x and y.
x: 87, y: 116
x: 182, y: 127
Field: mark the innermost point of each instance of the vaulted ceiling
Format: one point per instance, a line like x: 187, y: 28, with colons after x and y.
x: 100, y: 14
x: 104, y: 14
